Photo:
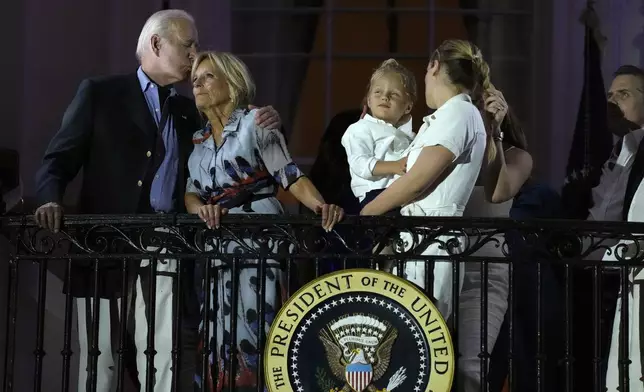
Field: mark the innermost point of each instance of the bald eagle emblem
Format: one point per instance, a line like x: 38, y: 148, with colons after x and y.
x: 358, y: 350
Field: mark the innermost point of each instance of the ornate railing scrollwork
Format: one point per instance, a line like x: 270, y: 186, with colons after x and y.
x: 270, y: 237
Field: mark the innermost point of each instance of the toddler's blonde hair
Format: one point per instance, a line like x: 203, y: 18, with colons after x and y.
x: 391, y: 66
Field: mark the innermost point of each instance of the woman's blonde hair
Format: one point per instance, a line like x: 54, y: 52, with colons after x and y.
x: 406, y: 76
x: 464, y: 66
x: 240, y: 82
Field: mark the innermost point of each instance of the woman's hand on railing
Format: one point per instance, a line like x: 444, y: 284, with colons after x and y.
x: 331, y: 214
x: 211, y: 214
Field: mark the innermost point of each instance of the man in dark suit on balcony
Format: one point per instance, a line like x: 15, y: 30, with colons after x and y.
x: 131, y: 135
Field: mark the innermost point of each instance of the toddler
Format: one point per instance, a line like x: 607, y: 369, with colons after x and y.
x: 375, y: 143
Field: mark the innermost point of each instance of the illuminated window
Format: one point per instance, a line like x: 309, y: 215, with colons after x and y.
x: 312, y: 58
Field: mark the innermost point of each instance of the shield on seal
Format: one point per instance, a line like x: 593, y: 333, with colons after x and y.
x: 358, y: 376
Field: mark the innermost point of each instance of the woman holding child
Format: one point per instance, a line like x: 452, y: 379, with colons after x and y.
x: 444, y: 160
x: 444, y: 163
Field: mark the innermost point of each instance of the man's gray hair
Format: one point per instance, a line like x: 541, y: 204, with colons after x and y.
x: 159, y: 23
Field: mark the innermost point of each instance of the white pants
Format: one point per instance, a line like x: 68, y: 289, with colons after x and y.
x: 469, y: 322
x: 163, y: 338
x: 416, y: 272
x: 106, y: 369
x: 468, y: 378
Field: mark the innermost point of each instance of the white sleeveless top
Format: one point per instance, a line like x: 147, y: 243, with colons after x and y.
x: 479, y: 207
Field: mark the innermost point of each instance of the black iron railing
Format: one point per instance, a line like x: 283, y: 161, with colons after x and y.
x: 298, y: 247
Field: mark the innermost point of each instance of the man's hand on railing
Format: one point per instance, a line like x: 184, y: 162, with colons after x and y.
x: 331, y: 214
x: 211, y: 214
x: 49, y: 216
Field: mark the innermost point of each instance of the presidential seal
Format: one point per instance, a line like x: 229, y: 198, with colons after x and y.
x: 359, y: 330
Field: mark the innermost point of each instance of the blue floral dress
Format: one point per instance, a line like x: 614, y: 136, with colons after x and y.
x: 242, y: 174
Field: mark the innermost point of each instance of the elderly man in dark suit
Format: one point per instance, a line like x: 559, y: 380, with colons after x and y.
x: 132, y: 135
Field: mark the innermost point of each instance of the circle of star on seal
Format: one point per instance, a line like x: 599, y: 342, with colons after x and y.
x: 399, y: 312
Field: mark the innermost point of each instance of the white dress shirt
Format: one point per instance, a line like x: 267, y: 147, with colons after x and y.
x: 608, y: 196
x: 371, y: 140
x: 457, y: 126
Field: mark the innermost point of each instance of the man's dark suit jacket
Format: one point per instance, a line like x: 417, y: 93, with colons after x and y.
x: 109, y: 132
